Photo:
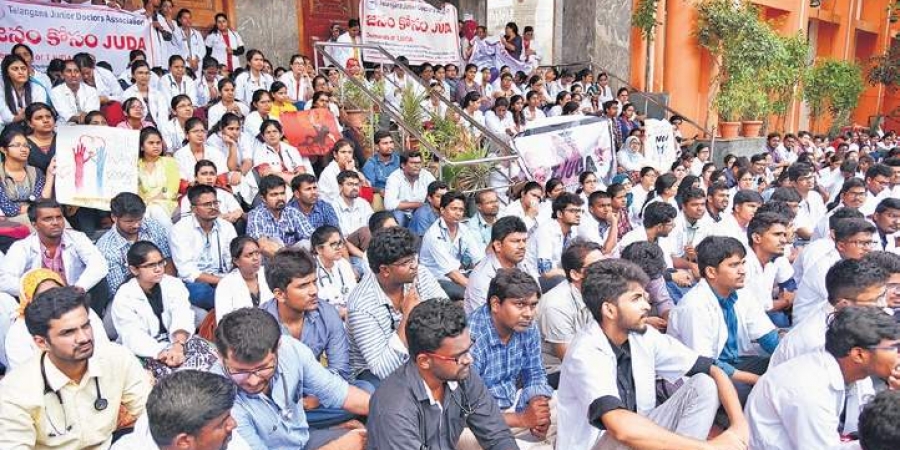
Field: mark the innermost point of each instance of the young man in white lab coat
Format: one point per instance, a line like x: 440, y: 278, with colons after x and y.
x: 803, y: 403
x: 720, y: 320
x: 607, y: 394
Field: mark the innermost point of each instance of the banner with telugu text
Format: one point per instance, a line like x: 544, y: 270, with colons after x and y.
x: 62, y: 30
x: 410, y: 28
x: 94, y: 164
x: 563, y: 147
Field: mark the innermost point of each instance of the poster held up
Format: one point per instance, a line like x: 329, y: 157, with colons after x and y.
x: 94, y: 164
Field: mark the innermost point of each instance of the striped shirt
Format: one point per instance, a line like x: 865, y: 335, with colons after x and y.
x: 372, y: 322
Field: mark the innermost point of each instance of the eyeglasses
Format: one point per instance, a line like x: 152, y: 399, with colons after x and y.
x: 213, y: 204
x: 893, y: 347
x: 861, y: 243
x: 408, y: 262
x: 242, y: 376
x: 456, y: 359
x: 17, y: 145
x: 161, y: 264
x: 856, y: 194
x: 336, y: 245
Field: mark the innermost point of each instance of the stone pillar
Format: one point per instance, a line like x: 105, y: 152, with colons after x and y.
x: 270, y: 25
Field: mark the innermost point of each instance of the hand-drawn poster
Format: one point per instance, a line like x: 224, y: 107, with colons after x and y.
x: 94, y: 164
x: 660, y: 148
x: 563, y: 147
x: 313, y: 132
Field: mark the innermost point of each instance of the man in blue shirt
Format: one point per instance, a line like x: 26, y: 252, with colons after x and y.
x: 272, y: 223
x: 306, y: 200
x: 274, y: 372
x: 383, y: 163
x: 291, y: 275
x: 128, y: 214
x: 429, y: 212
x: 720, y: 320
x: 507, y: 356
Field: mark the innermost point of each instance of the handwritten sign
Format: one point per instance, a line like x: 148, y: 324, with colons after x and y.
x: 61, y: 30
x: 94, y: 164
x: 660, y: 148
x: 410, y: 28
x: 563, y: 147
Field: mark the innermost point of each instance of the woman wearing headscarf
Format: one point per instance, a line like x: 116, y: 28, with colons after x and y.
x: 631, y: 157
x: 20, y: 346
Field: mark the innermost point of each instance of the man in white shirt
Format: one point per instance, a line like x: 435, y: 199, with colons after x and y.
x: 342, y: 54
x: 768, y: 237
x: 405, y: 189
x: 803, y: 403
x: 878, y: 178
x: 609, y: 376
x: 200, y: 246
x: 554, y: 235
x: 887, y: 224
x: 659, y: 221
x: 562, y: 312
x: 877, y: 422
x: 70, y: 396
x: 691, y: 226
x: 849, y: 283
x: 508, y: 247
x: 448, y: 251
x: 189, y: 409
x: 717, y: 199
x: 600, y: 224
x: 74, y: 99
x: 852, y: 240
x: 353, y: 213
x: 67, y: 252
x: 397, y: 81
x: 720, y: 320
x: 746, y: 202
x: 821, y: 246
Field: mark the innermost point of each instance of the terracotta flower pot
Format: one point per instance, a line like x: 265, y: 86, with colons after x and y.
x: 751, y: 128
x: 729, y: 130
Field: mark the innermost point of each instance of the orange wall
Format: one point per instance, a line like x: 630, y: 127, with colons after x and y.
x: 684, y: 70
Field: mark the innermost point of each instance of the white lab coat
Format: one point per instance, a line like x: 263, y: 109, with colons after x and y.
x: 798, y: 404
x: 699, y: 323
x: 136, y: 324
x: 232, y: 293
x: 588, y: 372
x: 85, y: 265
x: 69, y: 104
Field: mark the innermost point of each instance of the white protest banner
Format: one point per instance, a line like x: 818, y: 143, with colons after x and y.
x: 563, y: 147
x: 61, y: 30
x: 410, y: 28
x: 94, y: 164
x: 660, y: 148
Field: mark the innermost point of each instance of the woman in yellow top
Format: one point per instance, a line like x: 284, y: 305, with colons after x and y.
x: 158, y: 178
x: 282, y: 101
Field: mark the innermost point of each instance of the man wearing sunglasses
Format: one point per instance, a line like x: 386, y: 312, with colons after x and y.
x: 274, y: 372
x: 427, y: 401
x: 814, y: 400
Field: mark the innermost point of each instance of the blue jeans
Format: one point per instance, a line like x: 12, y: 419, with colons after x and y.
x: 321, y: 418
x: 402, y: 217
x: 201, y: 295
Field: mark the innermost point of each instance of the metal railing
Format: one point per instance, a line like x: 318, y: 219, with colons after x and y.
x: 506, y: 152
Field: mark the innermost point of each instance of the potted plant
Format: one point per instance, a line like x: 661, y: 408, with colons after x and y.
x: 756, y: 107
x: 412, y: 114
x: 355, y: 104
x: 729, y: 104
x: 834, y: 87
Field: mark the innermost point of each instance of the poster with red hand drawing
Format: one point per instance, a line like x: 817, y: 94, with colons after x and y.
x: 94, y: 164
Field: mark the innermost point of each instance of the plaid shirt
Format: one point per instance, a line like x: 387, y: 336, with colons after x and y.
x: 114, y: 248
x: 321, y: 214
x: 290, y: 229
x: 501, y: 365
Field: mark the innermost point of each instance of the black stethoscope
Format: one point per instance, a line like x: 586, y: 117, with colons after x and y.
x: 182, y: 87
x: 321, y: 268
x: 100, y: 403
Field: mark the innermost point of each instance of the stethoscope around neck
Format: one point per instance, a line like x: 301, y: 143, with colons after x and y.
x: 100, y: 403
